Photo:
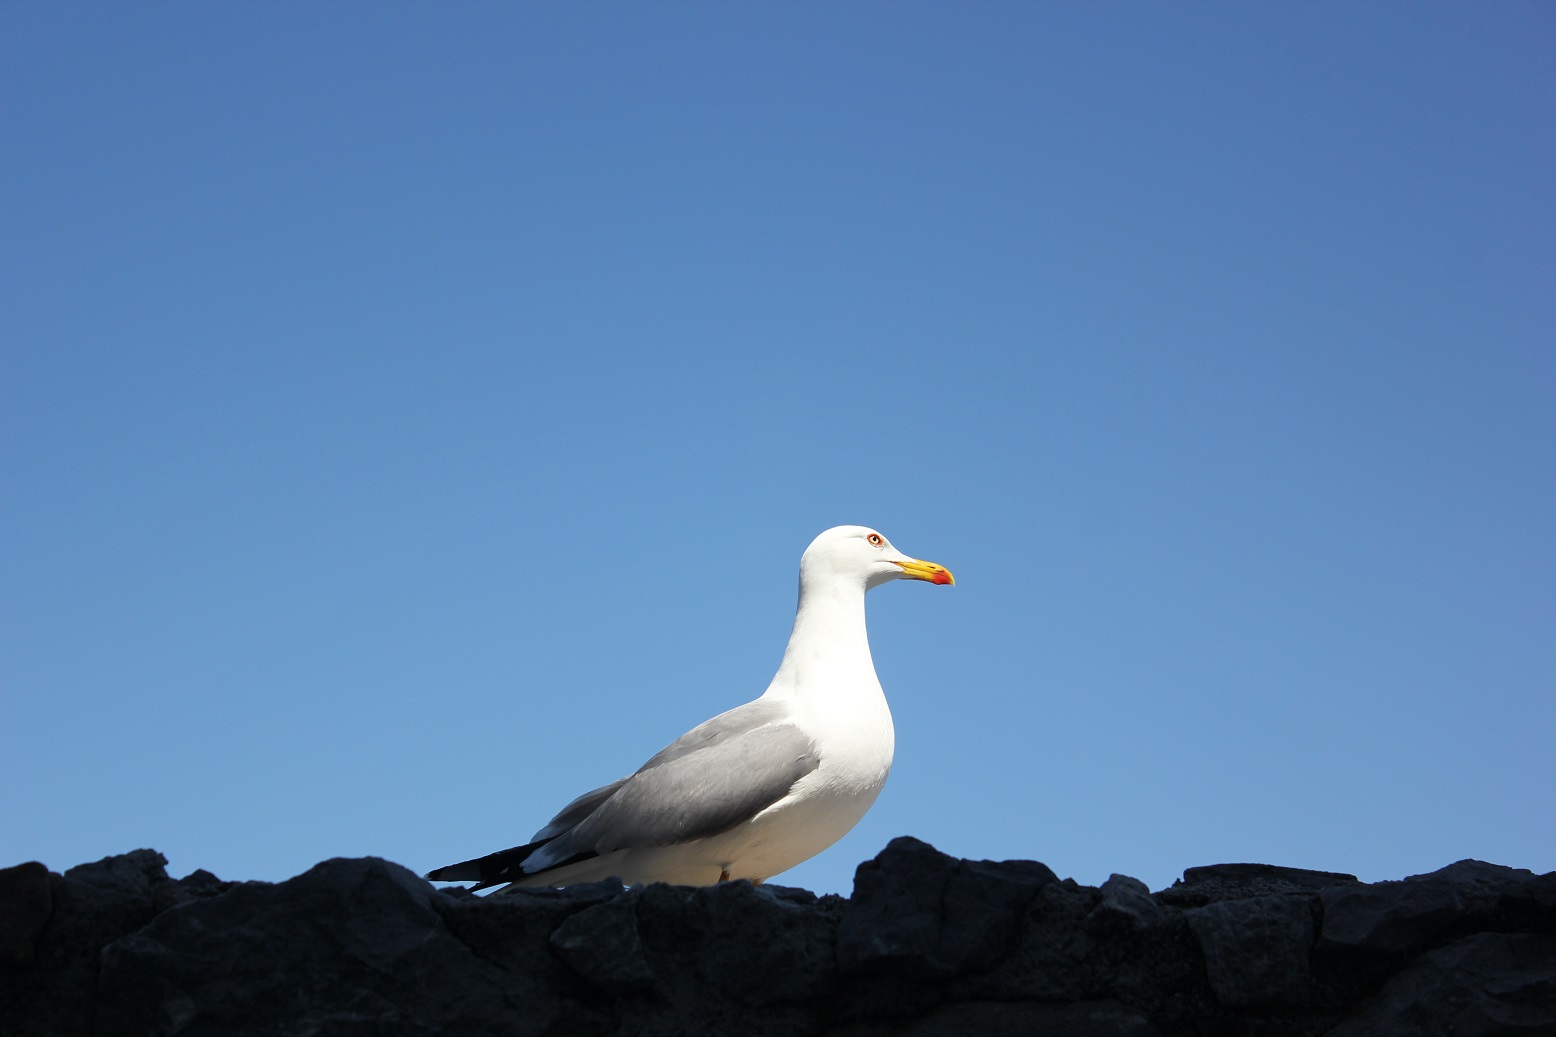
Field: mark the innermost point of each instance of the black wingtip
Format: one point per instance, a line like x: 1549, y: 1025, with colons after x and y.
x: 492, y: 870
x: 497, y: 869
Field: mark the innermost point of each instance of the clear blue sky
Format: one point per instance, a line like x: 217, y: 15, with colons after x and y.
x: 412, y: 416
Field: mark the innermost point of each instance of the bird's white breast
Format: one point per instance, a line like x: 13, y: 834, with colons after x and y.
x: 852, y: 731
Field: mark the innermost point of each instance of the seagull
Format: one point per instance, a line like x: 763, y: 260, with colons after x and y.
x: 757, y: 789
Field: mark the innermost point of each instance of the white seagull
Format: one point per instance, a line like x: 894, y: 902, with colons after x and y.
x: 758, y: 789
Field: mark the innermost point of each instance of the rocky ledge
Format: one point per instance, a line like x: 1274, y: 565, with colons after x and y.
x: 927, y: 945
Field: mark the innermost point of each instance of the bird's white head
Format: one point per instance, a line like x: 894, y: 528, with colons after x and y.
x: 859, y: 553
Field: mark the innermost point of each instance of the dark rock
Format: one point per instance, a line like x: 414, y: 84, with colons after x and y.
x: 93, y: 905
x: 1015, y: 1019
x: 1532, y: 906
x: 1403, y: 918
x: 1126, y: 904
x: 513, y: 930
x: 1256, y: 949
x: 1206, y: 885
x: 601, y: 944
x: 1161, y: 970
x: 1388, y: 917
x: 1055, y: 955
x: 1474, y: 876
x: 139, y: 873
x: 919, y: 914
x: 1484, y: 890
x: 1261, y: 876
x: 1486, y: 985
x: 1079, y: 944
x: 201, y: 882
x: 350, y: 945
x: 26, y: 901
x: 761, y: 946
x: 918, y: 918
x: 929, y: 945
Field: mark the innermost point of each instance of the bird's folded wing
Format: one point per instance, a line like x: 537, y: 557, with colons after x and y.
x: 577, y: 810
x: 712, y: 778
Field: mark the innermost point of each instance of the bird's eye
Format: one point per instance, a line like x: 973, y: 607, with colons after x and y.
x: 875, y: 539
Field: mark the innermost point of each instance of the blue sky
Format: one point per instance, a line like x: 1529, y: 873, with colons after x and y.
x: 412, y: 415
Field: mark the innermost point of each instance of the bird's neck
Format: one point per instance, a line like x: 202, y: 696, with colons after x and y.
x: 829, y: 646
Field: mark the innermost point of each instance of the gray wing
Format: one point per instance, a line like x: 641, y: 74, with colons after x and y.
x: 715, y: 776
x: 577, y: 810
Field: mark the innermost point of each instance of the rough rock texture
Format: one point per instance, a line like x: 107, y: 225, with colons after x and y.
x: 26, y: 901
x: 928, y: 946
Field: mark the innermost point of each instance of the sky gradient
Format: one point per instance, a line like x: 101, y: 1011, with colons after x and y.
x: 412, y: 415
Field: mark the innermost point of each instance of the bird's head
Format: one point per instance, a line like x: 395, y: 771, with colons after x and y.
x: 860, y: 553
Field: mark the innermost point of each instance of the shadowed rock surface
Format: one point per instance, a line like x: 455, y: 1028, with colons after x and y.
x: 928, y: 945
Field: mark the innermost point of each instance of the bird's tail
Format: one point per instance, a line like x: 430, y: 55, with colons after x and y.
x: 492, y: 870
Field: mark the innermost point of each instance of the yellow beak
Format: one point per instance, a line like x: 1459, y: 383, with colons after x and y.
x: 914, y: 569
